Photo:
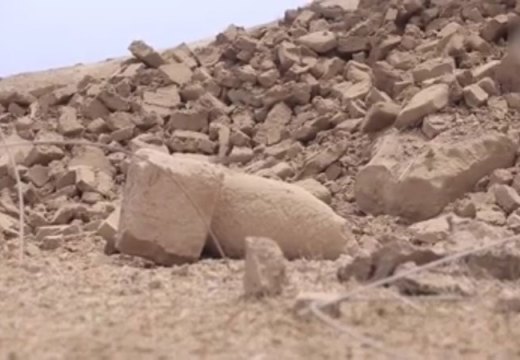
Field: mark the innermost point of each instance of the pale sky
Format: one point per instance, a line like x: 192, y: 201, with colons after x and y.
x: 43, y: 34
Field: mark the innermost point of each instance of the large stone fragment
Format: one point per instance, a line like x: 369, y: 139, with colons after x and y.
x: 146, y: 54
x: 302, y: 225
x: 402, y: 181
x: 425, y: 102
x: 167, y: 206
x: 319, y: 41
x: 264, y: 268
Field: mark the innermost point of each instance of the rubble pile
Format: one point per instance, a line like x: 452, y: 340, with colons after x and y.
x: 393, y: 113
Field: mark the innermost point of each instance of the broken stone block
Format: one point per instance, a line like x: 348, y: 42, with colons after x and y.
x: 245, y: 208
x: 191, y: 142
x: 379, y: 116
x: 44, y: 154
x: 93, y: 157
x: 146, y: 54
x: 68, y: 212
x: 316, y: 189
x: 346, y: 91
x: 435, y: 124
x: 431, y: 231
x: 351, y: 44
x: 161, y: 101
x: 319, y: 41
x: 475, y: 96
x: 495, y: 28
x: 265, y: 273
x: 89, y: 179
x: 489, y: 86
x: 431, y: 283
x: 167, y: 222
x: 97, y: 126
x: 68, y: 124
x: 108, y: 231
x: 513, y: 222
x: 501, y: 176
x: 38, y: 175
x: 465, y: 208
x: 390, y: 184
x: 241, y: 155
x: 274, y: 127
x: 382, y: 261
x: 506, y: 197
x: 195, y: 119
x: 178, y: 73
x: 501, y: 263
x: 433, y: 68
x: 92, y: 108
x: 427, y: 101
x: 147, y: 141
x: 318, y: 162
x: 112, y: 100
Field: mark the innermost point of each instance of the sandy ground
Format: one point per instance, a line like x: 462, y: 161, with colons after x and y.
x: 76, y: 303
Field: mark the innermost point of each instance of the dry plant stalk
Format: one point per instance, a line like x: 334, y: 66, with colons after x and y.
x: 316, y: 308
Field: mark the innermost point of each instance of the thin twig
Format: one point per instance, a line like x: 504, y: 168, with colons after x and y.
x: 112, y: 148
x: 21, y: 205
x: 316, y: 307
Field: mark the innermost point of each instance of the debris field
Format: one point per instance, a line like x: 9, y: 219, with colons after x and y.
x: 237, y: 200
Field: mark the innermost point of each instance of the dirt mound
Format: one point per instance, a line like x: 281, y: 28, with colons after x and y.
x: 396, y: 122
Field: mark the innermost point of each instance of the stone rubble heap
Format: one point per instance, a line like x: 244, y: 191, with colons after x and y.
x: 395, y: 113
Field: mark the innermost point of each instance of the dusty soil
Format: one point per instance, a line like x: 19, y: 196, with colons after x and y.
x: 78, y: 303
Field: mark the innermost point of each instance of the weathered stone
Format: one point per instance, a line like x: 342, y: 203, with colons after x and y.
x: 317, y: 162
x: 195, y: 119
x: 68, y: 124
x: 162, y: 101
x: 108, y: 231
x: 435, y: 124
x: 274, y: 126
x: 161, y: 222
x: 465, y: 208
x: 380, y: 116
x: 382, y: 261
x: 389, y: 184
x: 316, y: 189
x: 433, y: 68
x: 431, y: 231
x: 92, y: 108
x: 112, y: 100
x: 192, y: 142
x: 264, y: 273
x: 501, y: 177
x: 38, y: 175
x: 240, y: 155
x: 347, y: 91
x: 425, y: 102
x: 495, y: 28
x: 245, y: 208
x: 506, y: 197
x: 351, y: 44
x: 319, y: 41
x: 177, y: 73
x: 475, y: 96
x: 489, y: 86
x: 431, y: 283
x: 146, y: 54
x: 44, y: 154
